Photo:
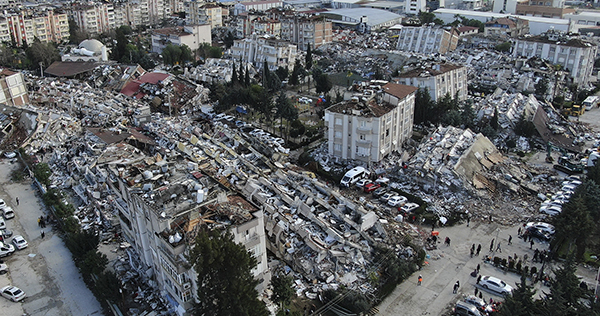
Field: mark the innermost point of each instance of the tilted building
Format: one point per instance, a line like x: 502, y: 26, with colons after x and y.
x: 439, y: 79
x: 257, y: 50
x: 427, y: 39
x: 368, y: 129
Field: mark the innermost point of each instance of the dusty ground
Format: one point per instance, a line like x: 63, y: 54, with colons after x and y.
x: 44, y: 270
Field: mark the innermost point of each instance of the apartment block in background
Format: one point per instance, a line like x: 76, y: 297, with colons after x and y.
x: 48, y: 26
x: 257, y: 50
x: 427, y: 39
x: 94, y: 19
x: 313, y: 30
x: 191, y: 35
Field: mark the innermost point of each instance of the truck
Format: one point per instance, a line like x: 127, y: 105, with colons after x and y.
x: 591, y: 102
x: 573, y: 110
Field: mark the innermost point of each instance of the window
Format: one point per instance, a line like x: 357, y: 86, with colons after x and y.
x: 337, y: 147
x: 338, y: 134
x: 338, y: 121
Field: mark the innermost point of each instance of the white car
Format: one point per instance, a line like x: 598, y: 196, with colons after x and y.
x: 12, y: 293
x: 386, y: 197
x: 551, y: 210
x: 20, y: 242
x: 3, y: 268
x: 6, y: 250
x: 2, y: 204
x: 545, y: 227
x: 409, y: 207
x: 8, y: 212
x: 219, y: 116
x: 361, y: 183
x: 568, y: 188
x: 10, y: 154
x: 397, y: 200
x: 494, y: 284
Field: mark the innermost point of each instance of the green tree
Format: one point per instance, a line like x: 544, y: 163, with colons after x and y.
x: 105, y: 287
x: 323, y: 83
x: 234, y: 76
x: 565, y: 297
x: 423, y: 106
x: 504, y: 47
x: 282, y: 290
x: 45, y: 53
x: 594, y: 173
x: 76, y: 36
x: 229, y: 39
x: 226, y: 283
x: 573, y: 226
x: 93, y: 263
x: 426, y: 17
x: 80, y: 243
x: 467, y: 115
x: 42, y: 173
x: 308, y: 60
x: 282, y: 72
x: 520, y: 302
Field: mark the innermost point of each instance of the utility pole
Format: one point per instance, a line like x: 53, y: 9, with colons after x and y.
x: 42, y: 69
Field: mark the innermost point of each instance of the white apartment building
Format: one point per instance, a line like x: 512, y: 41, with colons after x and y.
x: 161, y: 211
x: 439, y: 80
x: 257, y: 50
x: 202, y: 13
x: 369, y: 130
x: 13, y: 90
x: 427, y: 39
x: 94, y: 19
x: 127, y: 14
x: 151, y: 11
x: 47, y: 27
x: 574, y: 55
x: 191, y: 35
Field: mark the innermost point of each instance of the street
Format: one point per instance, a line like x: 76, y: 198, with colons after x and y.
x: 44, y: 270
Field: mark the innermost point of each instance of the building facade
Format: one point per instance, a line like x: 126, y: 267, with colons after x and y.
x: 14, y: 90
x: 202, y: 13
x: 94, y: 19
x: 24, y: 28
x: 506, y: 27
x: 257, y: 50
x: 574, y: 55
x: 370, y: 129
x: 127, y: 13
x: 439, y: 79
x: 303, y: 31
x: 427, y: 39
x: 191, y: 35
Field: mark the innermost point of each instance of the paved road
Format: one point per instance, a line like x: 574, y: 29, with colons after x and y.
x: 44, y: 270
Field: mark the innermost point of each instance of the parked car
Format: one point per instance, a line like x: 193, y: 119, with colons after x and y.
x: 552, y: 210
x: 10, y: 154
x: 379, y: 192
x: 545, y: 227
x: 397, y: 200
x: 219, y: 116
x: 361, y: 183
x: 2, y: 204
x: 12, y: 293
x: 408, y: 207
x: 479, y: 303
x: 386, y: 196
x: 20, y: 242
x: 8, y: 212
x: 466, y: 309
x: 370, y: 187
x: 3, y: 268
x: 6, y: 250
x: 537, y: 233
x: 494, y: 284
x: 2, y: 223
x: 5, y: 233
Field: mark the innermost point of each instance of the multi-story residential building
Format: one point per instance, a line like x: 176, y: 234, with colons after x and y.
x: 573, y: 54
x: 127, y: 13
x: 506, y: 27
x: 201, y: 13
x: 191, y: 35
x: 10, y: 4
x: 370, y: 129
x: 439, y: 79
x: 313, y: 30
x: 151, y: 11
x: 162, y: 204
x: 257, y: 50
x: 263, y: 5
x: 265, y: 26
x: 427, y: 39
x: 48, y: 27
x: 547, y: 9
x: 13, y: 90
x: 94, y: 19
x: 173, y: 7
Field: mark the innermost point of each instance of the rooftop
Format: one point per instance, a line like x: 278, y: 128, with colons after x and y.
x: 399, y: 90
x: 375, y: 16
x: 369, y: 108
x: 429, y: 71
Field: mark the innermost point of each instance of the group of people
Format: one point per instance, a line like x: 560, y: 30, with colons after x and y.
x: 42, y: 221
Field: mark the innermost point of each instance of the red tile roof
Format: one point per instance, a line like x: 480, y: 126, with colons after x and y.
x: 133, y: 87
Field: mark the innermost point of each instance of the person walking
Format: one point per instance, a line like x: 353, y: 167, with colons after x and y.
x: 478, y: 249
x: 420, y: 280
x: 498, y: 248
x: 519, y: 232
x: 456, y: 286
x: 472, y: 251
x: 531, y: 243
x: 510, y: 239
x: 478, y: 267
x: 468, y: 220
x: 492, y: 245
x: 476, y: 291
x: 17, y: 199
x: 447, y: 242
x: 43, y: 234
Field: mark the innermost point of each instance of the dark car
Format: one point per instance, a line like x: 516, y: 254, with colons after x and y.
x: 537, y: 233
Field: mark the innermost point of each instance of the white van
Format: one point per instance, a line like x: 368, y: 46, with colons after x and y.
x: 352, y: 176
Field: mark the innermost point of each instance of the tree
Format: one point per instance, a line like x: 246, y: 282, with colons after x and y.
x: 282, y: 72
x: 504, y: 47
x: 594, y: 173
x: 234, y: 76
x: 282, y: 290
x: 468, y: 115
x: 573, y: 225
x: 323, y: 83
x: 423, y: 106
x: 494, y: 120
x: 42, y: 173
x: 76, y: 36
x: 520, y: 302
x: 426, y: 17
x: 308, y: 60
x: 565, y: 297
x: 106, y: 287
x: 45, y: 53
x: 93, y: 262
x: 228, y: 40
x: 226, y: 286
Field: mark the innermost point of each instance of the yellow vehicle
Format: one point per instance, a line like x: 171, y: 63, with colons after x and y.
x: 577, y: 110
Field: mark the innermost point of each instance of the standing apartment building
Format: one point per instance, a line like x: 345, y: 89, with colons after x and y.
x: 13, y: 88
x: 427, y: 39
x: 313, y: 30
x: 575, y: 55
x: 191, y: 35
x: 198, y: 12
x: 94, y: 19
x: 257, y: 50
x: 370, y: 129
x: 162, y: 204
x: 438, y: 79
x: 47, y: 26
